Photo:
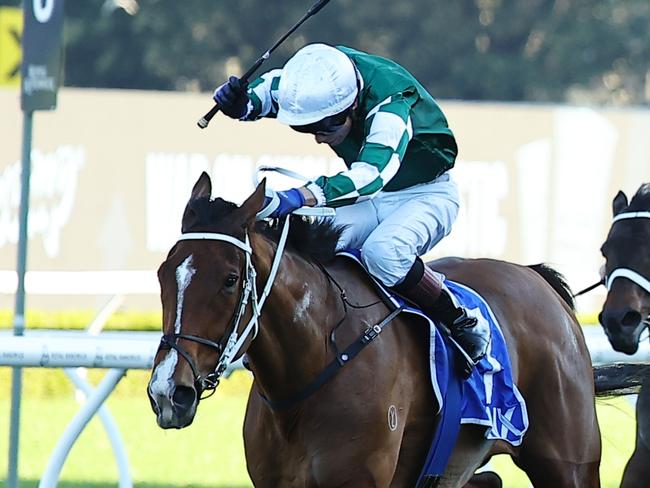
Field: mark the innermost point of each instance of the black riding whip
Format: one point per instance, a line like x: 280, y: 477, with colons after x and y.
x: 205, y: 120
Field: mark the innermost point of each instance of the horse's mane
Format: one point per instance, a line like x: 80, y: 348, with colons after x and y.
x: 312, y: 239
x: 641, y: 199
x: 557, y: 281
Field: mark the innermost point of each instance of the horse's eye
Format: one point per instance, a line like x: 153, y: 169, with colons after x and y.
x: 231, y: 280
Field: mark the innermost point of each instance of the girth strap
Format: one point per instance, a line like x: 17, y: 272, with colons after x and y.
x: 446, y: 432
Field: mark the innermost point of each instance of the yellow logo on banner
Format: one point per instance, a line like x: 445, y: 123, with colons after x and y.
x: 11, y: 32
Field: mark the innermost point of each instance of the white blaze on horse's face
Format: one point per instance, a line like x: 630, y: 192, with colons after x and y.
x: 184, y: 275
x: 161, y: 382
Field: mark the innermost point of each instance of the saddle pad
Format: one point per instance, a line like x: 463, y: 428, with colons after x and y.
x: 490, y: 397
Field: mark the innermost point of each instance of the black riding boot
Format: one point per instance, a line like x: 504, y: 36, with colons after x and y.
x: 428, y: 294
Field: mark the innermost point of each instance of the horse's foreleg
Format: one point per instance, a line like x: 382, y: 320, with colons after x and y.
x: 637, y: 471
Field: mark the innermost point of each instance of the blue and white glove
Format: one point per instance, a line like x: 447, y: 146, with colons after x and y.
x: 232, y: 97
x: 278, y: 204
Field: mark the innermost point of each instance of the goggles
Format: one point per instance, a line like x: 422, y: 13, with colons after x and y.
x: 328, y: 125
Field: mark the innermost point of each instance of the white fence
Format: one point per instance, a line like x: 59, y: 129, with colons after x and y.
x: 115, y: 351
x: 136, y: 350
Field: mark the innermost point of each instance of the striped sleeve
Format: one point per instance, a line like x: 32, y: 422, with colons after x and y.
x: 388, y: 132
x: 263, y: 96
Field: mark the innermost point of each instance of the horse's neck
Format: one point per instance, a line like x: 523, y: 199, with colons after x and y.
x: 290, y: 348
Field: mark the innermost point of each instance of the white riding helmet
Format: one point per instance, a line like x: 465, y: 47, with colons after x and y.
x: 317, y: 82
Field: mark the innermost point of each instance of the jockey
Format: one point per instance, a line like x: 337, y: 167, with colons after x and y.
x: 396, y: 197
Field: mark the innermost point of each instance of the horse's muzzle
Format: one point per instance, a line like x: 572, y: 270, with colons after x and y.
x: 623, y: 327
x: 176, y: 411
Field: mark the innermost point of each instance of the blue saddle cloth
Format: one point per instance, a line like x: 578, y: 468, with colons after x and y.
x: 489, y: 396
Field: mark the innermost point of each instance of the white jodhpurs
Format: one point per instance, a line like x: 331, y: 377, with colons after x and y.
x: 393, y: 228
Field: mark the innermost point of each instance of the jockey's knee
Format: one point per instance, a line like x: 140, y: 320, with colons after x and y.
x: 387, y: 260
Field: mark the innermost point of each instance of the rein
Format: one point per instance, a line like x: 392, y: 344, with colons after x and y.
x: 232, y: 341
x: 589, y: 288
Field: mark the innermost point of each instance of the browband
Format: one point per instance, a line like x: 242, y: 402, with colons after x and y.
x: 244, y: 246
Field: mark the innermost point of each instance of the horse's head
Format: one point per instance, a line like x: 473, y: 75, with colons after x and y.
x: 205, y: 284
x: 627, y: 271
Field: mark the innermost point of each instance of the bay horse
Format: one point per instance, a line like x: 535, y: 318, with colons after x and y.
x: 372, y: 423
x: 626, y: 311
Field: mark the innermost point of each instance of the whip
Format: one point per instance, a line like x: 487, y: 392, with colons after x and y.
x: 205, y: 120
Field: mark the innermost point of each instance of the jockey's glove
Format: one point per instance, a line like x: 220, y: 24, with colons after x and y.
x: 278, y: 204
x: 232, y: 97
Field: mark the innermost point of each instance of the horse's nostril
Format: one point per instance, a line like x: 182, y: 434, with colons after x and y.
x: 184, y: 397
x: 632, y: 318
x: 152, y: 402
x: 619, y: 320
x: 611, y: 322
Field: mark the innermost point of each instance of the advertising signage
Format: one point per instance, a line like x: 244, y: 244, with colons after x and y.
x: 42, y: 54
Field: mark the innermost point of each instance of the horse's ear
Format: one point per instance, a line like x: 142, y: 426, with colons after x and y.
x: 189, y: 218
x: 253, y: 204
x: 202, y: 187
x: 619, y: 203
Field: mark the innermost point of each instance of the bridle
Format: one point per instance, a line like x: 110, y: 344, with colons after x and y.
x: 628, y: 273
x: 232, y: 341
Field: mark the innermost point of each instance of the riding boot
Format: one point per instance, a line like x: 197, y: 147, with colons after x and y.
x: 429, y: 294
